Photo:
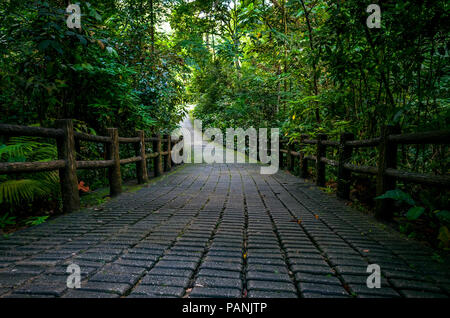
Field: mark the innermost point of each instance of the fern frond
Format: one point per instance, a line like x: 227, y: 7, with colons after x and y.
x: 45, y: 152
x: 16, y: 150
x: 28, y: 148
x: 19, y: 191
x: 49, y: 180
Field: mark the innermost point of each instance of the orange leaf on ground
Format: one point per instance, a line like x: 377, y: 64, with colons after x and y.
x: 82, y: 187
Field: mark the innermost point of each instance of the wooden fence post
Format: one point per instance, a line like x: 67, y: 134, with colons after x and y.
x: 281, y: 164
x: 387, y: 152
x: 168, y: 158
x: 68, y: 174
x: 141, y: 166
x: 289, y: 157
x: 292, y: 166
x: 344, y: 175
x: 303, y: 165
x: 115, y: 177
x: 157, y: 161
x: 302, y: 160
x: 320, y: 166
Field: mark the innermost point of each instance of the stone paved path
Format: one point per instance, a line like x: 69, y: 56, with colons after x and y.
x: 219, y: 231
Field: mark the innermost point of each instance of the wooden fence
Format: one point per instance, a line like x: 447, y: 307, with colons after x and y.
x: 68, y: 165
x: 386, y: 171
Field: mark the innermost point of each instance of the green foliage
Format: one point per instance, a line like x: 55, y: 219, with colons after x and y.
x: 36, y: 220
x: 17, y: 191
x: 104, y: 74
x: 6, y: 220
x: 20, y: 190
x: 414, y: 213
x: 118, y: 70
x: 397, y: 195
x: 444, y: 215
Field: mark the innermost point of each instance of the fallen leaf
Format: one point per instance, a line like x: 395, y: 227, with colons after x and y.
x: 82, y: 187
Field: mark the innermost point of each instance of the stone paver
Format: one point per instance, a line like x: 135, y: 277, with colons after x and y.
x: 219, y: 231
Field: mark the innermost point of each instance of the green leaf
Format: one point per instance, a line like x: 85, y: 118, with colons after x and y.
x: 443, y: 215
x: 36, y: 220
x: 414, y: 213
x: 7, y: 220
x: 397, y: 195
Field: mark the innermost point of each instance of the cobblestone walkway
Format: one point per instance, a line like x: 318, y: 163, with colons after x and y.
x: 219, y: 231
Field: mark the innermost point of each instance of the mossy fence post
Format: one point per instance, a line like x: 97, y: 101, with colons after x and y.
x: 344, y: 175
x: 115, y: 178
x: 68, y: 174
x: 387, y: 159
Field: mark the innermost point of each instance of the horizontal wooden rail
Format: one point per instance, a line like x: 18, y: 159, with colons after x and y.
x: 67, y: 164
x: 309, y: 141
x: 130, y: 160
x: 173, y: 140
x: 94, y: 138
x: 16, y: 130
x: 96, y: 164
x: 386, y: 172
x: 124, y: 140
x: 330, y: 162
x: 431, y: 137
x: 361, y: 169
x: 152, y: 155
x: 22, y: 167
x: 363, y: 143
x: 427, y: 178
